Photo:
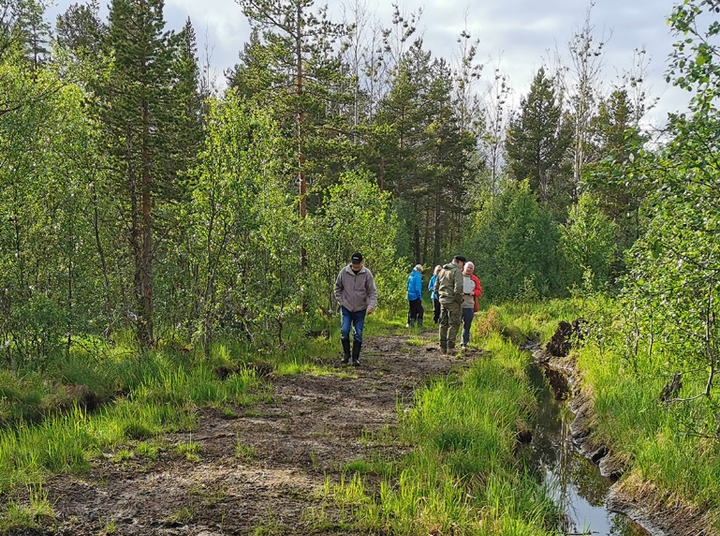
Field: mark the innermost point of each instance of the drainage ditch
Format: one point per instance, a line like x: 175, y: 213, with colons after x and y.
x: 574, y: 482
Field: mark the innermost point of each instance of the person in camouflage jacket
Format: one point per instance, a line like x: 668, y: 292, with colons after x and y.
x: 449, y: 289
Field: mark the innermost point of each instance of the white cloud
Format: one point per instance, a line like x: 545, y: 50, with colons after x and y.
x: 523, y: 33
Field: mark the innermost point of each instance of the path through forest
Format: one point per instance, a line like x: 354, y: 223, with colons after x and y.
x: 313, y: 427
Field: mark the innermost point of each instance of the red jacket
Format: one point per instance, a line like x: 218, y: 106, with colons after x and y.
x: 478, y: 290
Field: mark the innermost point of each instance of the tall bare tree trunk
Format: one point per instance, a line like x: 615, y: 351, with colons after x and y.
x: 145, y: 332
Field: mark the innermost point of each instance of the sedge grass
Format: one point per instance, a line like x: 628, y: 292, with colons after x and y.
x: 658, y: 438
x: 162, y: 397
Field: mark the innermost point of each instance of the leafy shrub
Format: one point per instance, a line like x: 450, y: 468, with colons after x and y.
x: 515, y: 245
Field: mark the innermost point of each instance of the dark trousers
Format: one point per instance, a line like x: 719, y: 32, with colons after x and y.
x: 449, y: 324
x: 416, y: 311
x: 468, y: 313
x: 436, y: 311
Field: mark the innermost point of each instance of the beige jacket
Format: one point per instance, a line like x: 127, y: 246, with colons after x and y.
x: 355, y: 292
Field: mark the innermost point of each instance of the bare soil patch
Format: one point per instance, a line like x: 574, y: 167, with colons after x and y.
x: 314, y: 426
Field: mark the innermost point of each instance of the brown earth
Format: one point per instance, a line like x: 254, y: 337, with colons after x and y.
x: 314, y: 426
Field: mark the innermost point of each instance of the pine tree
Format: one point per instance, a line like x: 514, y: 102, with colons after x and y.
x: 537, y: 142
x: 23, y: 29
x: 297, y: 42
x: 253, y: 77
x: 81, y: 30
x: 424, y: 162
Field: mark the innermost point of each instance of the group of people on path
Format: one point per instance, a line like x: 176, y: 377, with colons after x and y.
x: 454, y: 292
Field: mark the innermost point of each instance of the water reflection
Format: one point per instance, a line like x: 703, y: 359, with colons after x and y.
x: 574, y: 483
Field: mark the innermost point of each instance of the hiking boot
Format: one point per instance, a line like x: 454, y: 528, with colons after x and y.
x: 443, y: 346
x: 346, y: 351
x: 356, y: 353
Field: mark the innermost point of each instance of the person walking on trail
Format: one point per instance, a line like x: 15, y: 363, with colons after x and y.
x: 449, y: 289
x: 433, y: 295
x: 414, y: 296
x: 356, y: 294
x: 471, y: 292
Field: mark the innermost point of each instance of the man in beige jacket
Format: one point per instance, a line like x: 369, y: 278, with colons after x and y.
x: 356, y: 294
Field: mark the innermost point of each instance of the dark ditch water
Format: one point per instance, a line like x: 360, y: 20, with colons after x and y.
x: 575, y: 483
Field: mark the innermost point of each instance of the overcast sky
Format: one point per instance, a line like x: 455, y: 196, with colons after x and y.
x: 519, y: 35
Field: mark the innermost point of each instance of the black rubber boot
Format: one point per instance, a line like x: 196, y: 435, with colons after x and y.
x: 346, y: 351
x: 356, y: 353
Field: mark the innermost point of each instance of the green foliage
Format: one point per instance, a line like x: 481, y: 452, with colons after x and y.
x: 587, y: 241
x: 670, y: 300
x: 515, y: 246
x: 291, y: 67
x: 142, y: 92
x: 354, y: 216
x: 421, y: 153
x: 673, y: 445
x: 619, y: 193
x: 237, y: 270
x: 46, y: 256
x: 81, y: 31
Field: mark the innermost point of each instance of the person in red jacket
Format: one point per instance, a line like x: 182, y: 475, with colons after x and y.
x: 471, y: 292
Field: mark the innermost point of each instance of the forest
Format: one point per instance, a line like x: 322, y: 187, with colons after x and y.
x: 142, y: 210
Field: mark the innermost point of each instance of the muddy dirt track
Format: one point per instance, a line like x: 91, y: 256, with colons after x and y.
x: 314, y: 426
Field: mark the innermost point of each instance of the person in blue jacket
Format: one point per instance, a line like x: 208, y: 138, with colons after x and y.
x: 433, y: 296
x: 414, y: 296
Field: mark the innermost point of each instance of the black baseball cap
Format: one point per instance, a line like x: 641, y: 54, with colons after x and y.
x: 356, y: 258
x: 460, y: 258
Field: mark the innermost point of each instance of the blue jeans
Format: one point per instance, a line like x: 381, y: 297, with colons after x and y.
x: 357, y: 319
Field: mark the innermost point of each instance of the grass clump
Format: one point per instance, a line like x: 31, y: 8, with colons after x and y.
x: 154, y: 393
x: 522, y: 321
x: 244, y: 452
x: 34, y: 514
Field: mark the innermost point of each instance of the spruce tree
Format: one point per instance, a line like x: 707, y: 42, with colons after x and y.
x: 146, y: 104
x: 536, y: 145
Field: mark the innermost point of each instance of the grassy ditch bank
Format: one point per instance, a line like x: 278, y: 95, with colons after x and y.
x: 461, y: 475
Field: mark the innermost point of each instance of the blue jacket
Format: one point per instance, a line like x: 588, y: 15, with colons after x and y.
x: 414, y: 286
x: 431, y: 287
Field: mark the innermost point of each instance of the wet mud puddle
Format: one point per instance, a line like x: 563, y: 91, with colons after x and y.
x: 574, y: 482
